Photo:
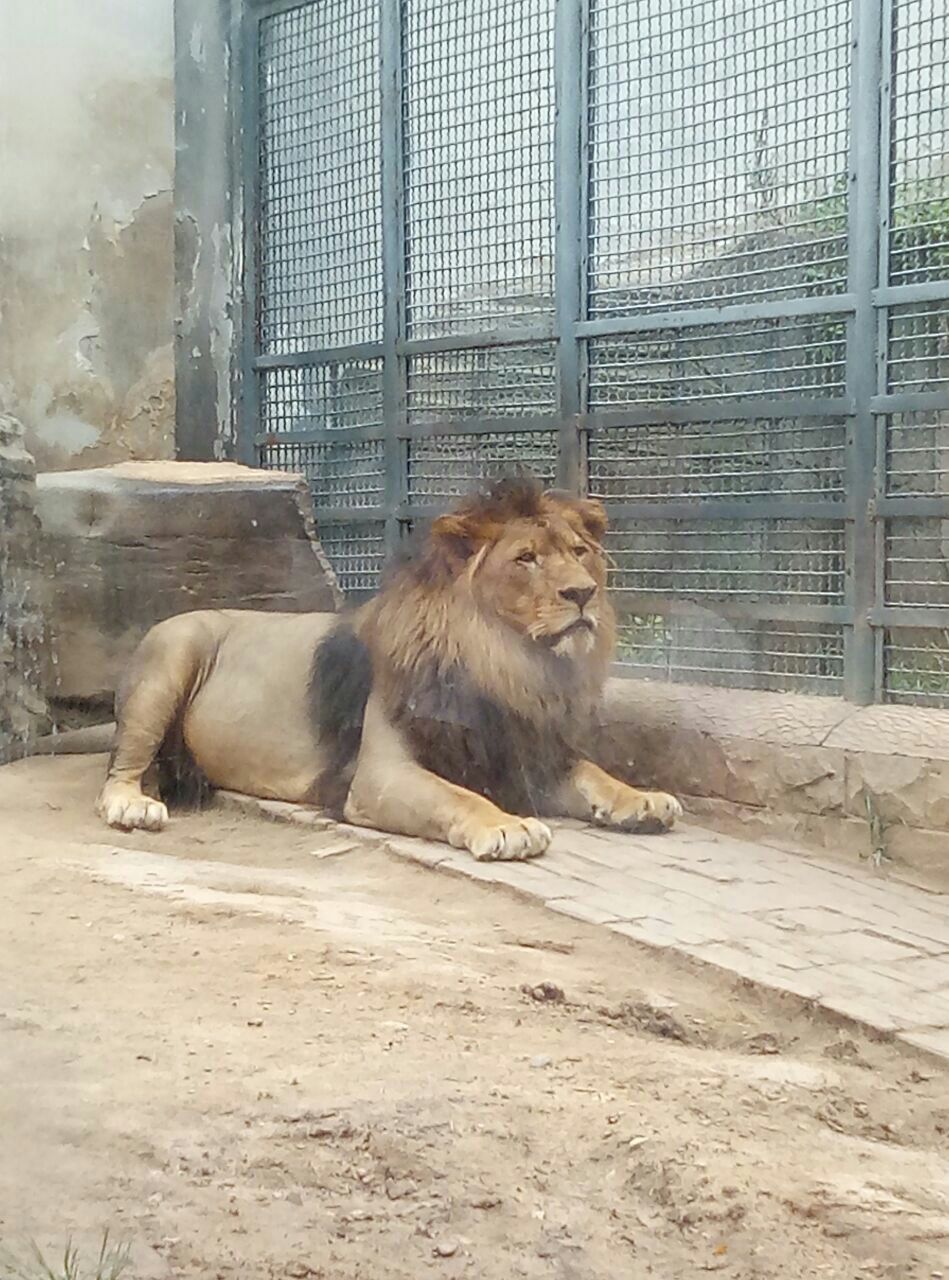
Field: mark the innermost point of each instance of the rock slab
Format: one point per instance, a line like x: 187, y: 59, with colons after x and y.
x: 129, y: 545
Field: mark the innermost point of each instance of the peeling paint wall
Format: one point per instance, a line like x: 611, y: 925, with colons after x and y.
x: 86, y: 228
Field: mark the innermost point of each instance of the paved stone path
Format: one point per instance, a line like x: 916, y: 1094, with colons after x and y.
x: 868, y: 947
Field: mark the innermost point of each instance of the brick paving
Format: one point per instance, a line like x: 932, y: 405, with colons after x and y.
x: 871, y: 948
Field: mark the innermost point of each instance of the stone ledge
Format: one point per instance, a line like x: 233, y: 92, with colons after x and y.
x: 864, y: 949
x: 867, y: 781
x: 793, y: 719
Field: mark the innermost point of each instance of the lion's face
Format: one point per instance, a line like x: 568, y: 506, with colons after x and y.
x: 540, y: 570
x: 546, y: 578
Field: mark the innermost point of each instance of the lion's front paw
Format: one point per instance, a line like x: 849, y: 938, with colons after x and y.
x: 508, y: 840
x: 129, y: 809
x: 632, y: 810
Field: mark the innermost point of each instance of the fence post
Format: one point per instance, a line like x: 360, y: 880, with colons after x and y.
x: 868, y: 196
x: 570, y: 243
x: 393, y: 267
x: 207, y: 233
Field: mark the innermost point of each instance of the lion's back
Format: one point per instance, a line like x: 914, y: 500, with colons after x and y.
x: 249, y: 723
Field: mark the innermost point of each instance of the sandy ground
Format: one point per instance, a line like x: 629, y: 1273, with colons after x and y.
x: 246, y: 1059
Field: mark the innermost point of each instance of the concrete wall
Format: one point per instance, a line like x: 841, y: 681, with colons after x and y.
x: 208, y: 253
x: 23, y: 652
x: 86, y: 228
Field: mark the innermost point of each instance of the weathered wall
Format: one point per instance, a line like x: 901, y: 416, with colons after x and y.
x: 23, y: 667
x: 86, y: 233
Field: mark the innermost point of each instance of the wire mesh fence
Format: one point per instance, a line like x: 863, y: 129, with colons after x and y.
x: 691, y: 257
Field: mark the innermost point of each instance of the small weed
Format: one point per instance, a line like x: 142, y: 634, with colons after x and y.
x: 112, y: 1261
x: 877, y: 853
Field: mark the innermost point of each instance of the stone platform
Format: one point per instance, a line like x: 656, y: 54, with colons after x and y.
x: 868, y: 782
x: 857, y: 943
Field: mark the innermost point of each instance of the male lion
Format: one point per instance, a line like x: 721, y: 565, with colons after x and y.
x: 451, y: 706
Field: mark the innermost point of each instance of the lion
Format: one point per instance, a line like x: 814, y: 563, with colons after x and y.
x: 452, y: 706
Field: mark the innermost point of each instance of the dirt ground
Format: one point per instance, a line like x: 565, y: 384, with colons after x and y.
x: 246, y: 1059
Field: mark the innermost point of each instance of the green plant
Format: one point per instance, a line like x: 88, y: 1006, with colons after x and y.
x: 112, y: 1261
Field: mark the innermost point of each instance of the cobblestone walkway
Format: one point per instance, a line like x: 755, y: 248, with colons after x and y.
x: 871, y: 948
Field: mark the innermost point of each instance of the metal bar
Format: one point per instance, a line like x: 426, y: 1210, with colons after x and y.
x: 894, y: 295
x: 910, y: 401
x: 831, y: 304
x: 266, y: 8
x: 923, y: 505
x: 764, y: 681
x: 350, y: 515
x: 329, y: 355
x: 416, y: 511
x: 727, y: 509
x: 585, y: 236
x: 249, y: 407
x: 880, y: 301
x: 718, y: 411
x: 461, y: 427
x: 321, y: 435
x: 879, y: 549
x: 524, y: 335
x: 645, y: 603
x: 913, y: 616
x: 402, y: 429
x: 863, y: 239
x: 681, y: 511
x: 393, y: 263
x: 569, y: 49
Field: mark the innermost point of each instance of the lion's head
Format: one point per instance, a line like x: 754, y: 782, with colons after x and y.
x: 509, y: 586
x: 489, y: 645
x: 531, y: 559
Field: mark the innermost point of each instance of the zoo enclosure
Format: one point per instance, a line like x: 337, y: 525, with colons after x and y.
x: 690, y: 257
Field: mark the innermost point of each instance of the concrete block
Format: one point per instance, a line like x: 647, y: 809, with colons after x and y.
x: 921, y: 732
x: 790, y: 768
x: 857, y: 989
x: 923, y: 973
x: 578, y: 909
x: 132, y: 544
x: 679, y: 931
x: 905, y: 791
x: 760, y: 969
x: 855, y: 947
x: 935, y: 1041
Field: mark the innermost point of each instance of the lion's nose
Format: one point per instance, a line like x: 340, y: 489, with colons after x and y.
x: 577, y: 595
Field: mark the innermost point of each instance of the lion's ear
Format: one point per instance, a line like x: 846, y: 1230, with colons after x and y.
x: 593, y: 514
x: 589, y: 512
x: 454, y: 539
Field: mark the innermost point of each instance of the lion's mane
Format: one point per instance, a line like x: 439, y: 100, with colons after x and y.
x: 477, y: 702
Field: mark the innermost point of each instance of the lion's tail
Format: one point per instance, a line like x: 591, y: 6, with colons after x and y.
x: 89, y: 741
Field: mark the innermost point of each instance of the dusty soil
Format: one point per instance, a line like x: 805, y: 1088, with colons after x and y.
x: 246, y: 1059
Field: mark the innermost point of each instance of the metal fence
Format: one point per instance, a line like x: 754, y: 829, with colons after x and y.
x: 690, y: 256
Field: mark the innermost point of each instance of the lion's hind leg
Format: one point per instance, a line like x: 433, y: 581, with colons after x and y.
x: 159, y: 683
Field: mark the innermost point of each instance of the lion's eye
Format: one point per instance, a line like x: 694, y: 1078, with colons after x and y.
x: 581, y: 549
x: 527, y: 557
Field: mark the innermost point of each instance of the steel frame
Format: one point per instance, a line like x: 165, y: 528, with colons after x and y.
x: 865, y: 401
